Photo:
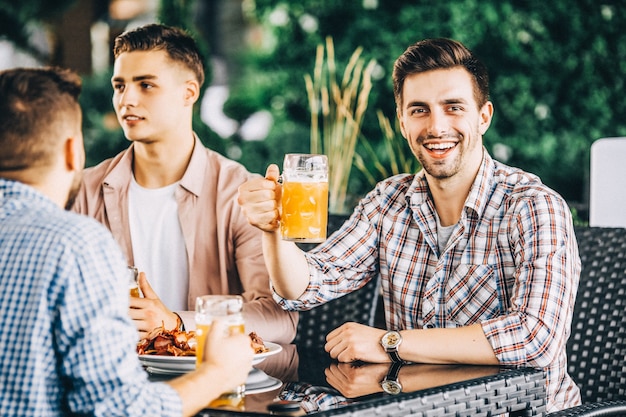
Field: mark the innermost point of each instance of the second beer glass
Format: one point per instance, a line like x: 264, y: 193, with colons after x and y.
x: 208, y: 308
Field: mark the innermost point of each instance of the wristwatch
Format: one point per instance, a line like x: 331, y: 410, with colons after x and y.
x: 390, y: 384
x: 390, y: 342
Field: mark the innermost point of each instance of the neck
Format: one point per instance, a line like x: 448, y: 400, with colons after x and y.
x: 158, y: 164
x: 53, y: 184
x: 449, y: 202
x: 449, y: 195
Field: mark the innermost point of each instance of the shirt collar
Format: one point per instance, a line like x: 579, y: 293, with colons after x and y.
x: 13, y: 188
x: 482, y: 188
x: 418, y: 192
x: 192, y: 180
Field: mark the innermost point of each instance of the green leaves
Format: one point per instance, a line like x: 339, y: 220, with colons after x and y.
x: 557, y: 70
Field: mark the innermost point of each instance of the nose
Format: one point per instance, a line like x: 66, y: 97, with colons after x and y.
x: 127, y: 97
x: 437, y: 124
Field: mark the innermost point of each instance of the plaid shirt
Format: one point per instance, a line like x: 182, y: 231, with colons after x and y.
x: 67, y: 343
x: 511, y: 264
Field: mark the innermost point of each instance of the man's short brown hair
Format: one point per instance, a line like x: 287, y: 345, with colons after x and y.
x: 178, y: 44
x: 38, y: 107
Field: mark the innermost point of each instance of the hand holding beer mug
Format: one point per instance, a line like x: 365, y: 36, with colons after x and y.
x: 208, y: 308
x: 304, y: 198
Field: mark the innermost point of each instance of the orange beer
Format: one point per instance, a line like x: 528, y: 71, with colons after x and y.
x: 236, y: 399
x: 304, y: 198
x: 133, y: 276
x: 305, y: 211
x: 202, y: 330
x: 208, y: 308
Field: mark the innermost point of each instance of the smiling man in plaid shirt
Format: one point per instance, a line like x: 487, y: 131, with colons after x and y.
x: 478, y: 260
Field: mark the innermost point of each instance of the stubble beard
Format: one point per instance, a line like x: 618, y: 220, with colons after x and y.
x: 441, y: 169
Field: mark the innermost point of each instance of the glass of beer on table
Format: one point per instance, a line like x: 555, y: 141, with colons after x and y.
x: 304, y: 198
x: 208, y: 308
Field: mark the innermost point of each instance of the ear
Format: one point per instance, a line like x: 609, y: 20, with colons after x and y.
x: 74, y: 154
x: 192, y: 91
x: 486, y: 115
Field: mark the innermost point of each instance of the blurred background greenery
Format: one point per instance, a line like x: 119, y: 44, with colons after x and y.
x: 557, y: 72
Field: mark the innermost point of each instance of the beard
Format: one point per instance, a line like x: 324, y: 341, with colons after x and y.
x: 447, y: 168
x: 75, y: 187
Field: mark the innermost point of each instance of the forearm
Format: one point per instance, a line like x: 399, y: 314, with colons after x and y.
x: 194, y: 399
x: 287, y: 266
x: 418, y: 377
x: 265, y: 317
x: 467, y: 345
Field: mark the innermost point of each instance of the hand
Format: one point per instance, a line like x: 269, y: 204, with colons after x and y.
x: 356, y: 380
x: 228, y: 355
x: 260, y: 200
x: 356, y: 342
x: 149, y: 312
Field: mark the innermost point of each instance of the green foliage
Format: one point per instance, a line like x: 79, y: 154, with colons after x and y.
x: 102, y: 133
x: 17, y: 18
x: 178, y: 13
x: 557, y: 71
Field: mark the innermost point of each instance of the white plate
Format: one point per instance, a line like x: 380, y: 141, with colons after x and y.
x: 268, y: 384
x: 170, y: 365
x: 273, y: 349
x: 257, y: 382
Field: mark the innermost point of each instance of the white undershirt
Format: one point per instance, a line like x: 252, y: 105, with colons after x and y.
x: 158, y: 245
x: 443, y: 235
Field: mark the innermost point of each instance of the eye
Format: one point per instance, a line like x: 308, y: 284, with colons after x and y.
x: 118, y: 87
x: 417, y: 110
x: 146, y: 86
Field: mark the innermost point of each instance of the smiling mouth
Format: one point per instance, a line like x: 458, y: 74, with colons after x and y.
x: 440, y: 149
x: 443, y: 146
x: 132, y: 118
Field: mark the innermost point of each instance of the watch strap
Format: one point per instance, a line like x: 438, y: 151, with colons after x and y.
x: 395, y: 358
x: 394, y: 370
x: 391, y: 384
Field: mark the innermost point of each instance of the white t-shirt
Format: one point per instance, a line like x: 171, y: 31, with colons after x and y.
x: 158, y: 245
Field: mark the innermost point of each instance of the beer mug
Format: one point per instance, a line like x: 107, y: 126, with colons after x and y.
x: 304, y: 198
x: 208, y: 308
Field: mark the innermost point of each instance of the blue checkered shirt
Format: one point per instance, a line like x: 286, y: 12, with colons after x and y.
x: 511, y: 264
x: 67, y: 343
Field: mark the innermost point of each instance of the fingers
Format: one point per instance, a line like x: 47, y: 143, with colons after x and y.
x: 259, y: 199
x: 222, y: 346
x: 218, y: 329
x: 149, y: 312
x: 272, y: 173
x: 145, y: 287
x: 353, y: 341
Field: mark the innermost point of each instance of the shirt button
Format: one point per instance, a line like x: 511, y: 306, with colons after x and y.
x: 429, y: 326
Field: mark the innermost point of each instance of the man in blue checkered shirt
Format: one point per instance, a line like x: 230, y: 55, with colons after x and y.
x: 67, y: 342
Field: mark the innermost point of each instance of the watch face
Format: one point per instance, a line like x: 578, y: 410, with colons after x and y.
x: 392, y: 387
x: 391, y: 339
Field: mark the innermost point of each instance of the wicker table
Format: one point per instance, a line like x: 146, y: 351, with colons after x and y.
x: 442, y: 390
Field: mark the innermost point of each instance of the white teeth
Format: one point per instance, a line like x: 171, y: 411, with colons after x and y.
x: 131, y: 118
x: 440, y: 146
